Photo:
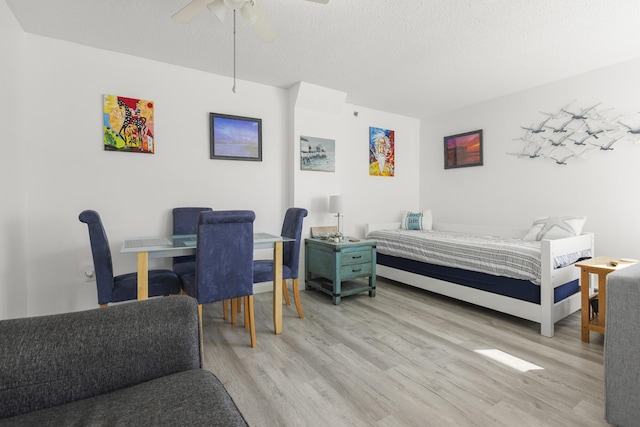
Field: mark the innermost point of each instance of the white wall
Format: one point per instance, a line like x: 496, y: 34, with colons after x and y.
x: 317, y: 112
x: 13, y: 267
x: 513, y: 191
x: 367, y: 198
x: 380, y: 198
x: 54, y: 164
x: 68, y: 169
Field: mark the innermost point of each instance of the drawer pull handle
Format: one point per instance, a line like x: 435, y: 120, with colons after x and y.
x: 356, y: 257
x: 355, y: 271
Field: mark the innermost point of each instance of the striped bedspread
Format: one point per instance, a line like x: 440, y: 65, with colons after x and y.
x: 500, y: 256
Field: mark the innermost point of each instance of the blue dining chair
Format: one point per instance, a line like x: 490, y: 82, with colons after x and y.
x: 123, y: 287
x: 185, y: 221
x: 263, y: 269
x: 224, y: 263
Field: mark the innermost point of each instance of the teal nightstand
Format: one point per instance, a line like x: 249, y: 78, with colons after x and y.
x: 338, y: 269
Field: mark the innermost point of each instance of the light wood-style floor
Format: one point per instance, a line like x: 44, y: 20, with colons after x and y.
x: 403, y: 358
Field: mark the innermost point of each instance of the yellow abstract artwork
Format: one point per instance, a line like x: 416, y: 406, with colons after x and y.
x: 128, y: 124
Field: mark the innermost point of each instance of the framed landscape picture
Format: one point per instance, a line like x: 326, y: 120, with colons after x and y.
x: 462, y: 150
x: 317, y: 154
x: 235, y: 137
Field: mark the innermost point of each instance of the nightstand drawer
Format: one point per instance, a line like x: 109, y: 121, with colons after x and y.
x: 355, y: 270
x: 355, y: 257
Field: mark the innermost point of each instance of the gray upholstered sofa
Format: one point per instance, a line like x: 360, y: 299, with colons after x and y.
x: 136, y: 364
x: 622, y: 347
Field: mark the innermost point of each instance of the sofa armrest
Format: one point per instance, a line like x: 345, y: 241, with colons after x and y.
x: 622, y: 346
x: 52, y: 360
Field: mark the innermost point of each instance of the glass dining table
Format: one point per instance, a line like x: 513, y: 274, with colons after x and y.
x: 179, y: 245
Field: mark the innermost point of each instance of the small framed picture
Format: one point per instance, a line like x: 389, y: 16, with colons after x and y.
x: 317, y: 154
x: 235, y: 137
x: 463, y: 149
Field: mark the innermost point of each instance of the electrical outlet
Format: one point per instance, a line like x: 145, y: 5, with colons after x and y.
x: 89, y: 274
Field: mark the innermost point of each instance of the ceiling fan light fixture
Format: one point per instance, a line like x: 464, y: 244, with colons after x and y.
x: 235, y: 4
x: 248, y: 13
x: 219, y: 9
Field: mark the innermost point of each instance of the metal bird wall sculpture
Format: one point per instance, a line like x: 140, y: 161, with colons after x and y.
x: 573, y: 131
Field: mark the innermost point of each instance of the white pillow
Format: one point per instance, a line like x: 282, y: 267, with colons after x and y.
x: 417, y: 220
x: 555, y: 227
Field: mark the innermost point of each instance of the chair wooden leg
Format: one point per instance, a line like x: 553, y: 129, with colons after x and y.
x: 234, y: 310
x: 296, y: 297
x: 246, y: 313
x: 225, y: 310
x: 285, y: 292
x: 252, y: 325
x: 240, y: 305
x: 104, y: 305
x: 201, y: 333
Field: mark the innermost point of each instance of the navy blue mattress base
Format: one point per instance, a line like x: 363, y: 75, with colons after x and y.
x: 515, y: 288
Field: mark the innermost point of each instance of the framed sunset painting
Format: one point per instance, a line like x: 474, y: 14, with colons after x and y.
x: 462, y: 150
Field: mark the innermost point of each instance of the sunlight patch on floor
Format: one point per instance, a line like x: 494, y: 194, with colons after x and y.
x: 509, y: 360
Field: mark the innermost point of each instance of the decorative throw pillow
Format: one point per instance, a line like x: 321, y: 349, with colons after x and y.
x: 555, y: 227
x: 417, y: 220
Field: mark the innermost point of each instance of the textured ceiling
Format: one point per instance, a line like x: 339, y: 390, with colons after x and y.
x: 412, y: 57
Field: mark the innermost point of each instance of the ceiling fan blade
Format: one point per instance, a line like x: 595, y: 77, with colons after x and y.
x: 320, y: 1
x: 262, y: 25
x: 190, y: 11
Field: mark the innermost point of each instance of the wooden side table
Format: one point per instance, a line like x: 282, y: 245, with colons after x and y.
x: 337, y: 269
x: 600, y: 266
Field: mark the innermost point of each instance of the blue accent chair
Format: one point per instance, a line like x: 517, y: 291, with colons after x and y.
x: 263, y: 269
x: 185, y: 221
x: 224, y: 263
x: 125, y: 286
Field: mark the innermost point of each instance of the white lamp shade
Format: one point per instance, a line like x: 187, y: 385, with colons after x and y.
x: 336, y: 204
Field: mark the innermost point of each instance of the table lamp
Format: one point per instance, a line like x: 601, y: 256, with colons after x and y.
x: 336, y: 205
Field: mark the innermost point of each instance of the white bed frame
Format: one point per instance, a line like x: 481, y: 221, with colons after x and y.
x: 547, y: 313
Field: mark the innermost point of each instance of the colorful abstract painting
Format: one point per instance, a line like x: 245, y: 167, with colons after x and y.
x: 128, y: 124
x: 381, y: 152
x: 317, y: 154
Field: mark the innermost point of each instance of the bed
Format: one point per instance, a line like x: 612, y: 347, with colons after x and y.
x: 543, y: 288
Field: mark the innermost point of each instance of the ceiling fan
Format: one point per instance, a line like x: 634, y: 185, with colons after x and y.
x: 250, y: 10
